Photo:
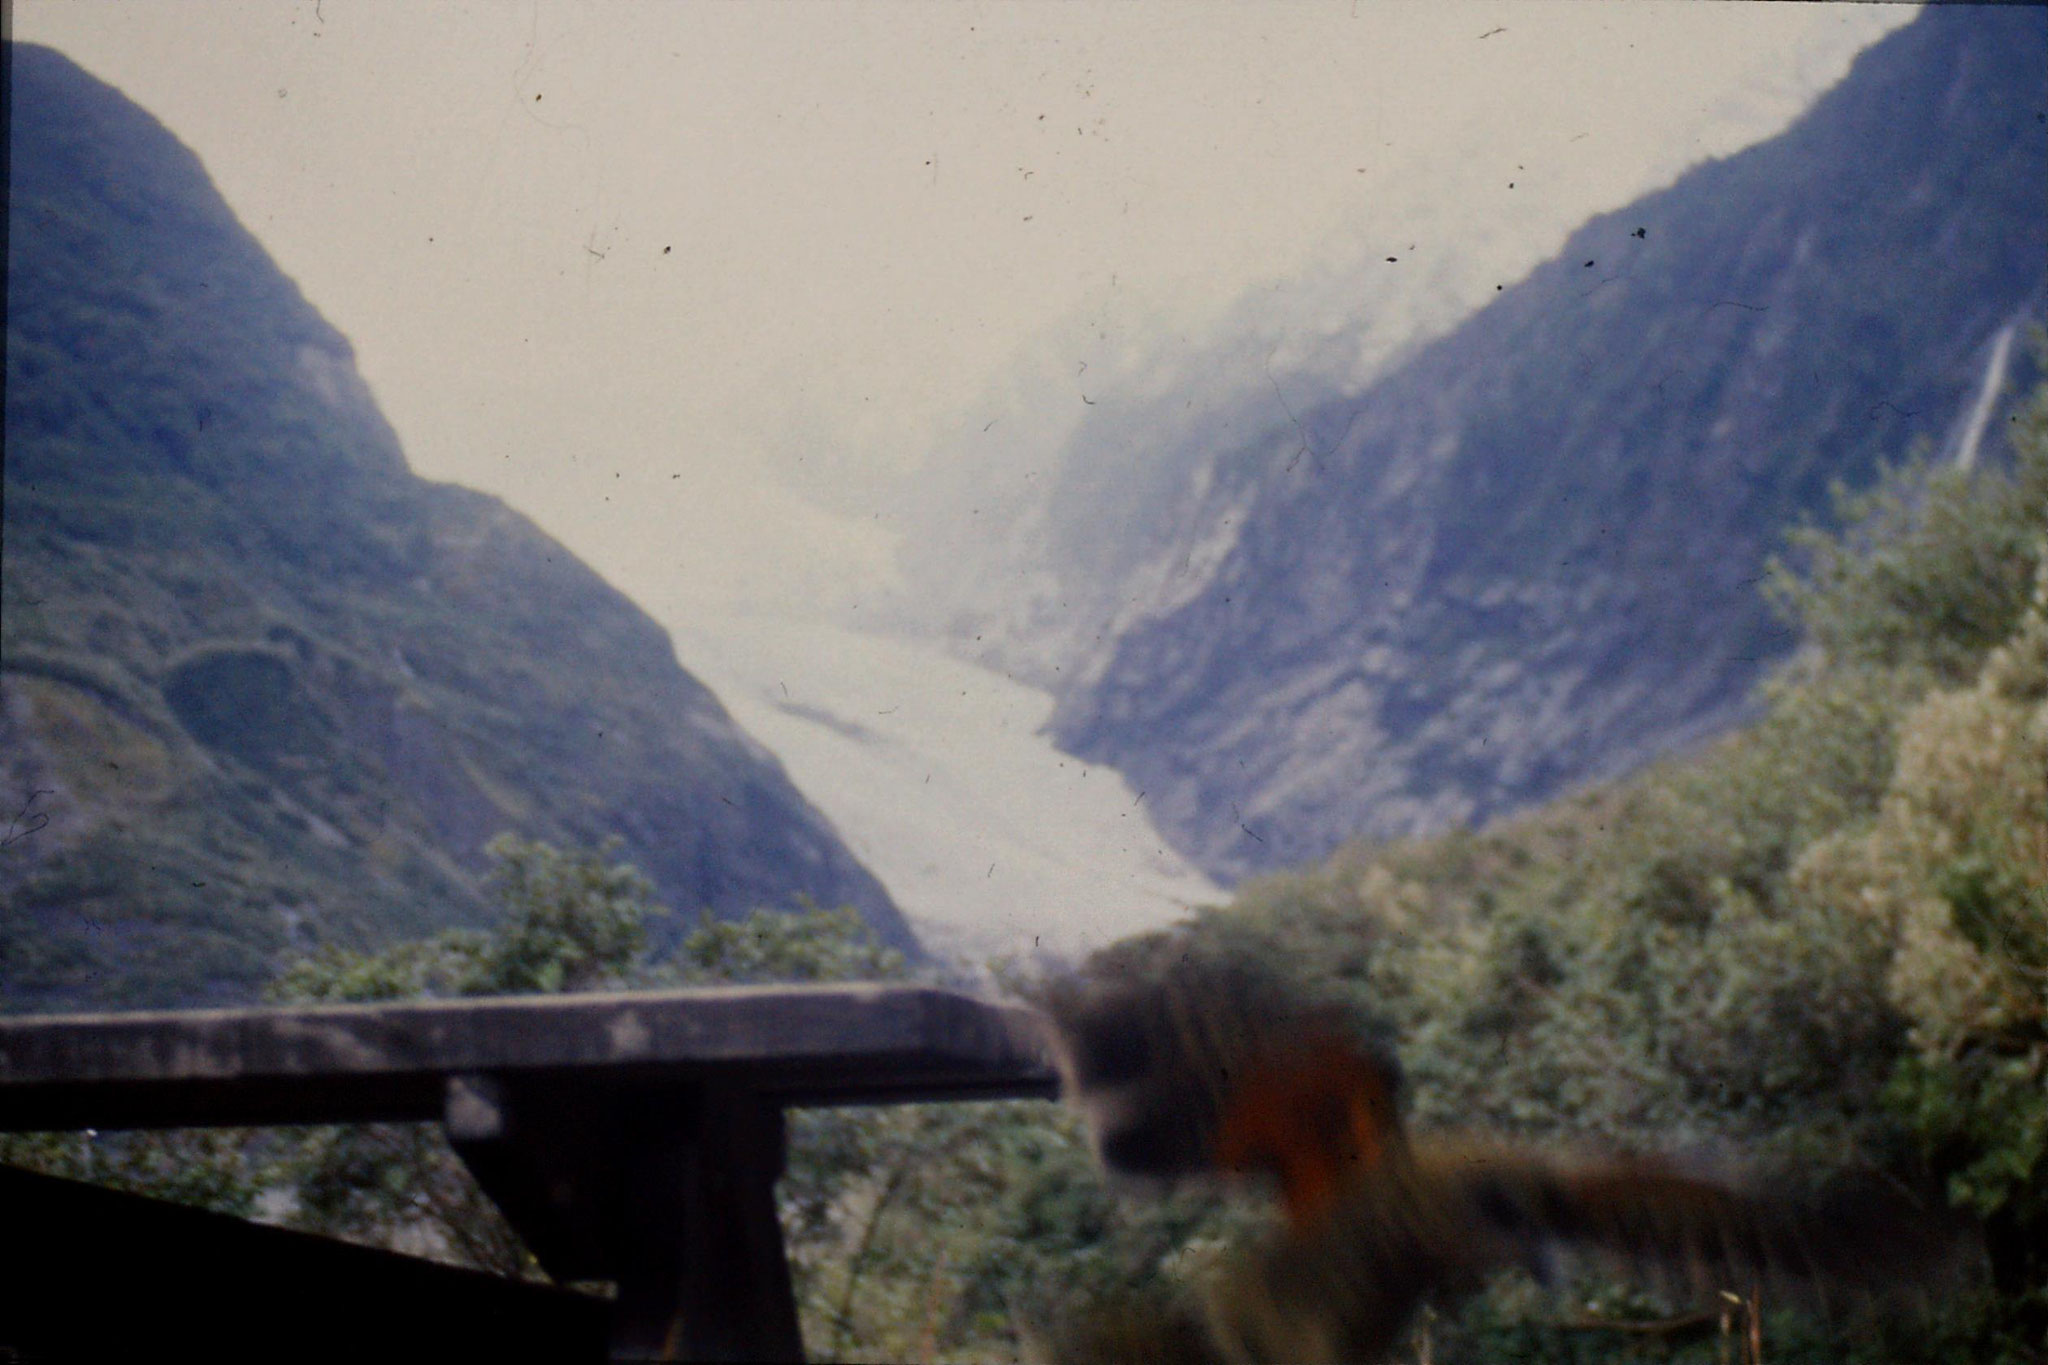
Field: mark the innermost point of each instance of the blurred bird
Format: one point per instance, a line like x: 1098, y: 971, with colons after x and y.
x: 1222, y: 1070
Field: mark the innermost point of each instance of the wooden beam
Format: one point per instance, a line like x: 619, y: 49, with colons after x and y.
x: 88, y: 1273
x: 363, y: 1063
x: 703, y: 1274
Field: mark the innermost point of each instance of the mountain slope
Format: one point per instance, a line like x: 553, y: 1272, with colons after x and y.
x: 1528, y: 557
x: 262, y: 686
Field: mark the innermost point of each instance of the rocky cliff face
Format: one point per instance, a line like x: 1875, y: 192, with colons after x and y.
x: 1529, y: 557
x: 261, y: 687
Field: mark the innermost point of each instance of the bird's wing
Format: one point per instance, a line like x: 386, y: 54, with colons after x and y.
x: 1437, y: 1223
x: 1213, y: 1068
x: 1857, y: 1238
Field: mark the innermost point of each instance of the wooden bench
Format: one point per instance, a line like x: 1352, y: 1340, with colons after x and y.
x: 631, y: 1137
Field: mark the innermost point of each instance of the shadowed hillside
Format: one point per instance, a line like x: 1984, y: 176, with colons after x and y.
x: 263, y: 688
x: 1527, y: 558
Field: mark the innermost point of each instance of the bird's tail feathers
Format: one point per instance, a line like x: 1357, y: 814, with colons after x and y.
x: 1859, y: 1239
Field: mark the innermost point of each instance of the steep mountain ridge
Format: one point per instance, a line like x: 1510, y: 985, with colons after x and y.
x: 260, y: 686
x: 1528, y: 557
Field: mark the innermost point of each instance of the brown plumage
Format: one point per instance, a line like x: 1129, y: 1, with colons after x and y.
x: 1208, y: 1070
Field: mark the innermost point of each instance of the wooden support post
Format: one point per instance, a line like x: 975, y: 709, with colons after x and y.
x: 666, y: 1189
x: 548, y: 1158
x: 706, y: 1277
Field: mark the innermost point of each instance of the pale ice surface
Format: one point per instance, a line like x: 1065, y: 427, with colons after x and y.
x: 937, y: 776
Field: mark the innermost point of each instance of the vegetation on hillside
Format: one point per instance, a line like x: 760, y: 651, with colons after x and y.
x: 1820, y: 945
x: 262, y: 687
x: 1523, y: 558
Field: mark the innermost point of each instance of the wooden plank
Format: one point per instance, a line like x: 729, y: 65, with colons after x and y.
x: 94, y: 1274
x: 836, y: 1044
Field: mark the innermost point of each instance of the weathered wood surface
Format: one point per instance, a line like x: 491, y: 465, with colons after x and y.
x: 839, y: 1044
x: 632, y: 1137
x: 91, y: 1274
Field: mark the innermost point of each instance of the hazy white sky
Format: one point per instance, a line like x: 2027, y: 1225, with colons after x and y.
x: 677, y: 279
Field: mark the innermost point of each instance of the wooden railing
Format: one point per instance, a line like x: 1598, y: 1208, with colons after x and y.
x: 630, y: 1137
